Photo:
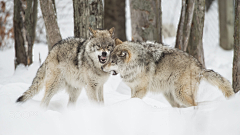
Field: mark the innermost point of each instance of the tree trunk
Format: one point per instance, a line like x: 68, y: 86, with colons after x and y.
x: 114, y: 16
x: 30, y: 23
x: 87, y: 13
x: 20, y: 54
x: 195, y: 45
x: 50, y: 20
x: 226, y: 22
x: 185, y: 24
x: 236, y: 58
x: 179, y: 36
x: 208, y: 4
x: 146, y: 20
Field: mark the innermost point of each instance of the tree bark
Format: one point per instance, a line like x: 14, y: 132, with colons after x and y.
x: 20, y: 54
x: 208, y: 4
x: 226, y: 22
x: 236, y: 58
x: 195, y: 47
x: 87, y: 13
x: 179, y: 36
x: 184, y: 26
x: 146, y: 20
x: 30, y: 24
x: 114, y: 16
x: 50, y: 20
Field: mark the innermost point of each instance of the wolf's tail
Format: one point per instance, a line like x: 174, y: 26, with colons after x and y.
x: 36, y: 86
x: 217, y: 80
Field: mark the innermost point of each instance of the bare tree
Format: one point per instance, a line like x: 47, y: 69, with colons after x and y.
x: 6, y: 27
x: 195, y: 45
x: 236, y: 58
x: 25, y: 18
x: 50, y: 19
x: 146, y: 20
x: 185, y: 24
x: 30, y: 23
x: 20, y: 54
x: 114, y: 16
x: 226, y: 22
x: 208, y: 4
x: 87, y: 14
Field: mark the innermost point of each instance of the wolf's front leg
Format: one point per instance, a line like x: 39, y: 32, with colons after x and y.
x: 91, y: 91
x: 138, y: 92
x: 100, y: 94
x: 73, y: 95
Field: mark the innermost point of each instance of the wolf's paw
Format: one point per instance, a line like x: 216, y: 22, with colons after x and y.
x: 229, y: 94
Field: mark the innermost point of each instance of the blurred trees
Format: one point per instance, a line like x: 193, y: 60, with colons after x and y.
x: 190, y: 29
x: 25, y: 17
x: 146, y: 20
x: 6, y: 29
x: 50, y: 19
x: 226, y: 23
x: 236, y: 58
x: 87, y: 14
x: 195, y: 46
x: 208, y: 4
x: 114, y: 16
x: 185, y: 24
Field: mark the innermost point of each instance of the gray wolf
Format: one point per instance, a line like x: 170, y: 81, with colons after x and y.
x: 72, y: 64
x: 160, y: 69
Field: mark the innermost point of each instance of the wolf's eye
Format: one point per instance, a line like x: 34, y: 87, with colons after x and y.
x: 123, y: 54
x: 113, y: 62
x: 109, y: 47
x: 97, y: 46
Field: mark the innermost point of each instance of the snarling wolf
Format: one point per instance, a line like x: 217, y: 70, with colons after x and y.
x: 72, y: 64
x: 160, y: 69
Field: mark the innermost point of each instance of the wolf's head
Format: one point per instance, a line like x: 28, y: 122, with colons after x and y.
x: 101, y: 43
x: 122, y: 55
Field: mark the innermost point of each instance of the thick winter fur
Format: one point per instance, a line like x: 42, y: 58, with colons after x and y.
x: 72, y: 64
x: 158, y: 68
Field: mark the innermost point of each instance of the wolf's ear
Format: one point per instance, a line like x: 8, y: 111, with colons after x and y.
x: 118, y: 41
x: 111, y: 31
x: 92, y: 32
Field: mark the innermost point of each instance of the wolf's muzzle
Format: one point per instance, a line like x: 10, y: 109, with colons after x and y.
x: 104, y: 54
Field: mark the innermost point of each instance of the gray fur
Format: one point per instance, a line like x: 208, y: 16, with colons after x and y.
x: 72, y: 64
x: 160, y: 69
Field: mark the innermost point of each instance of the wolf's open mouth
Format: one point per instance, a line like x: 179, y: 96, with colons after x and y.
x: 102, y: 59
x: 114, y: 72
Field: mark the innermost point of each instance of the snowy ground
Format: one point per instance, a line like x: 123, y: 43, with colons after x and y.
x: 120, y: 115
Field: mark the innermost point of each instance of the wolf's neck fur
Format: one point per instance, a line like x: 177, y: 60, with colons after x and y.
x: 148, y: 54
x: 135, y: 68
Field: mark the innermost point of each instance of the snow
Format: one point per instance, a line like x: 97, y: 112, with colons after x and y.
x: 120, y: 115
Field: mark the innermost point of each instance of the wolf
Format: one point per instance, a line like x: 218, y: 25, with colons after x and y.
x: 158, y: 68
x: 72, y: 64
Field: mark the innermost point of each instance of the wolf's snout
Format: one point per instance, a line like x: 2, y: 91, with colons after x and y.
x: 104, y: 54
x: 103, y: 57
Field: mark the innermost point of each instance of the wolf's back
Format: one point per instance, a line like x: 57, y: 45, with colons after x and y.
x: 217, y: 80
